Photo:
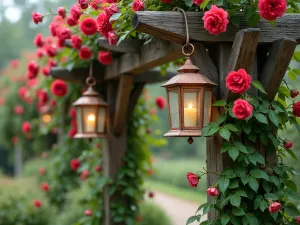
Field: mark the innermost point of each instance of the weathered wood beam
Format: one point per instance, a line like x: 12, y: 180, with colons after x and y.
x: 126, y: 46
x: 134, y: 97
x: 154, y: 54
x: 276, y: 65
x: 171, y: 26
x: 122, y: 102
x: 241, y: 57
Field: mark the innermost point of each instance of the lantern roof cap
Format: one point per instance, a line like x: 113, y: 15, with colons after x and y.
x: 189, y: 74
x: 90, y: 97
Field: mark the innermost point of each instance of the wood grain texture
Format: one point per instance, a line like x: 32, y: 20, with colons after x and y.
x: 154, y: 54
x: 276, y: 65
x: 170, y: 26
x: 122, y: 102
x: 134, y: 97
x: 126, y: 46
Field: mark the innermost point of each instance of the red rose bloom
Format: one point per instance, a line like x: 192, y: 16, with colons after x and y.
x: 160, y: 102
x: 38, y: 41
x: 296, y: 109
x: 53, y: 28
x: 72, y: 132
x: 37, y: 203
x: 238, y: 81
x: 45, y: 71
x: 88, y: 26
x: 84, y: 4
x: 95, y: 4
x: 51, y: 50
x: 151, y: 194
x: 61, y: 12
x: 84, y: 175
x: 105, y: 58
x: 75, y: 164
x: 59, y: 88
x: 40, y: 53
x: 19, y: 110
x: 112, y: 38
x: 298, y: 219
x: 71, y: 21
x: 42, y: 97
x: 112, y: 9
x: 45, y: 187
x: 139, y: 218
x: 42, y: 171
x: 274, y: 207
x: 198, y: 2
x: 75, y: 11
x: 193, y: 179
x: 98, y: 168
x: 33, y: 69
x: 72, y: 113
x: 271, y: 9
x: 103, y: 24
x: 212, y: 192
x: 287, y: 144
x: 294, y: 93
x: 37, y: 18
x: 76, y: 42
x: 51, y: 63
x: 167, y: 1
x: 85, y: 53
x: 88, y: 212
x: 22, y: 92
x: 26, y: 127
x: 242, y: 109
x: 64, y: 34
x: 137, y: 5
x: 215, y: 20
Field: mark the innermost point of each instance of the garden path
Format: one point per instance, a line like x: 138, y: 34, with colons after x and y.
x: 179, y: 210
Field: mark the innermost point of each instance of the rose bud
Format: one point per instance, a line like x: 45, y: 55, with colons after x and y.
x: 151, y: 194
x: 193, y: 179
x: 88, y: 212
x: 287, y: 144
x: 274, y: 207
x: 294, y: 93
x: 212, y: 192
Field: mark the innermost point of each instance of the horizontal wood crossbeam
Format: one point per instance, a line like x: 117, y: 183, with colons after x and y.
x: 171, y: 26
x: 276, y: 65
x: 125, y: 46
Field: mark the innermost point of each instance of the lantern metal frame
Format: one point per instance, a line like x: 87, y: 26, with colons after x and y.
x: 91, y: 99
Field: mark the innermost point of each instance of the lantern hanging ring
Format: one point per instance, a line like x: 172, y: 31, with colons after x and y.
x: 90, y: 80
x: 187, y: 44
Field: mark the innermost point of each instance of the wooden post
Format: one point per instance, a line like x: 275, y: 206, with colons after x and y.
x: 18, y: 160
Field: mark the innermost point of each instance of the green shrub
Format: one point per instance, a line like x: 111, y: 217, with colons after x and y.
x: 153, y: 215
x: 31, y: 168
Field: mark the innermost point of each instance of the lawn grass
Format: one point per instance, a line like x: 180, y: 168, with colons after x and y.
x: 197, y: 197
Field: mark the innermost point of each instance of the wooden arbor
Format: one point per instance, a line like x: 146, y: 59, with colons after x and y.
x: 264, y: 52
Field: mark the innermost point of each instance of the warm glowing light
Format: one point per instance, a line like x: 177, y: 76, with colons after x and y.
x: 46, y: 118
x: 91, y: 117
x: 190, y: 105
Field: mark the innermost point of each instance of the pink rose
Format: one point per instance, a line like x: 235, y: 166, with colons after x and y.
x: 271, y: 9
x: 193, y: 179
x: 215, y: 20
x: 198, y: 2
x: 296, y: 109
x: 212, y: 192
x: 137, y: 5
x: 238, y: 81
x: 274, y: 207
x: 37, y: 18
x: 298, y: 219
x: 242, y: 109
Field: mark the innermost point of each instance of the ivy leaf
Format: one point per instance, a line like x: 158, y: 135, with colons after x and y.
x: 225, y: 218
x: 235, y: 200
x: 189, y: 3
x: 240, y: 171
x: 259, y: 86
x: 223, y: 183
x: 231, y: 127
x: 224, y: 133
x: 191, y: 219
x: 220, y: 103
x: 253, y: 183
x: 233, y: 152
x: 273, y: 117
x: 291, y: 210
x: 261, y: 118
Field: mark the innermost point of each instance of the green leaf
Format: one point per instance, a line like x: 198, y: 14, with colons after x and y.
x: 264, y: 138
x: 245, y: 179
x: 221, y: 118
x: 191, y: 219
x: 235, y: 20
x: 253, y: 183
x: 225, y: 218
x: 256, y: 158
x: 220, y: 103
x: 256, y: 173
x: 291, y: 184
x: 297, y: 71
x: 271, y: 196
x: 235, y: 200
x: 273, y: 117
x: 246, y: 127
x: 291, y: 153
x: 233, y: 152
x: 224, y: 133
x: 201, y: 207
x: 275, y: 180
x: 204, y: 4
x: 189, y: 3
x: 284, y: 90
x: 291, y: 194
x: 234, y: 184
x: 241, y: 147
x: 261, y: 118
x: 263, y: 205
x: 253, y: 21
x: 115, y: 17
x: 231, y: 127
x: 257, y: 202
x: 207, y: 208
x: 259, y: 86
x: 213, y: 130
x: 292, y: 76
x: 292, y: 210
x: 229, y: 173
x: 223, y: 183
x: 240, y: 170
x: 238, y: 211
x: 219, y: 2
x: 252, y: 219
x: 235, y: 220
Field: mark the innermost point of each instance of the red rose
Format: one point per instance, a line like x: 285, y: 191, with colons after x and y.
x: 65, y: 33
x: 88, y: 212
x: 40, y: 53
x: 167, y: 1
x: 61, y: 12
x: 84, y: 4
x: 296, y: 109
x: 160, y: 102
x: 85, y: 53
x: 37, y: 18
x: 14, y: 140
x: 212, y: 192
x: 242, y: 109
x: 72, y: 132
x: 42, y: 171
x: 103, y: 24
x: 75, y: 164
x: 98, y: 168
x: 54, y: 28
x: 112, y: 38
x: 74, y: 124
x: 71, y: 21
x: 137, y: 5
x: 193, y: 179
x: 75, y: 11
x: 42, y: 97
x: 215, y: 20
x: 76, y: 42
x: 38, y: 41
x: 150, y: 172
x: 274, y: 207
x: 88, y: 26
x: 59, y: 88
x: 19, y: 110
x: 151, y: 194
x: 139, y: 218
x: 298, y: 219
x: 22, y: 92
x: 26, y: 127
x: 198, y: 2
x: 112, y: 9
x: 45, y: 187
x: 287, y: 144
x: 105, y: 58
x: 238, y: 81
x: 51, y: 63
x: 33, y: 69
x: 95, y: 4
x: 294, y: 93
x: 84, y: 175
x: 271, y: 9
x: 53, y: 103
x: 37, y: 203
x: 14, y: 63
x: 72, y: 113
x: 45, y: 71
x: 51, y: 50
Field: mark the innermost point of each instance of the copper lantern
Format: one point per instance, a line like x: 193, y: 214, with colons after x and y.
x: 91, y: 113
x: 46, y: 114
x: 189, y: 96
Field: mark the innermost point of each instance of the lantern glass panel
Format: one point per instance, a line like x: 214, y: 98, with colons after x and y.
x: 207, y: 107
x: 101, y: 119
x: 174, y: 108
x: 89, y: 117
x: 79, y: 119
x: 191, y: 110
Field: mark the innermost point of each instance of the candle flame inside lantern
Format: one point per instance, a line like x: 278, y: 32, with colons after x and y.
x: 91, y: 117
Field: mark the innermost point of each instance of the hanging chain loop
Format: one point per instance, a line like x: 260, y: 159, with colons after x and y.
x: 91, y: 81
